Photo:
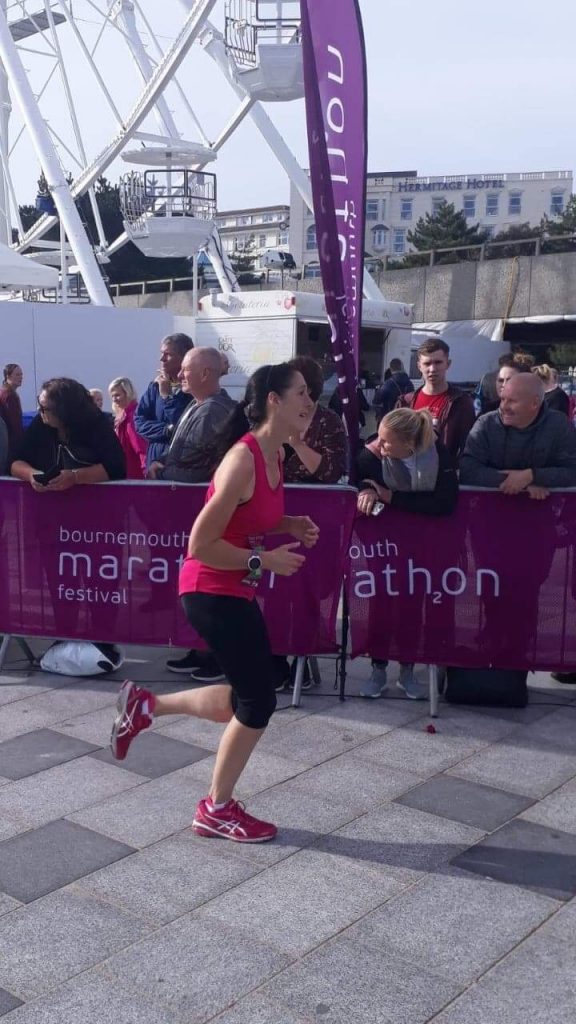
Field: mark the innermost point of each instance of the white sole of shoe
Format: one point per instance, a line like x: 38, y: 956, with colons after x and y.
x: 181, y: 671
x: 120, y: 712
x: 411, y: 696
x: 205, y: 832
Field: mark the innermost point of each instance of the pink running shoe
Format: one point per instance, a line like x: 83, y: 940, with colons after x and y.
x: 135, y: 708
x: 231, y: 822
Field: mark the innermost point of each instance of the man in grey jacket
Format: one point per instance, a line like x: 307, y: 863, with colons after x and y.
x: 200, y: 377
x: 523, y: 446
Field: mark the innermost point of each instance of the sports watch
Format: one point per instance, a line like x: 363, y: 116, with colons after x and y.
x: 254, y: 568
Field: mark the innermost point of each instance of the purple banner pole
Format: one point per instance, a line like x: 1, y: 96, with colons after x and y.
x: 336, y: 114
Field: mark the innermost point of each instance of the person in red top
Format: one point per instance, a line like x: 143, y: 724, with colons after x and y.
x: 451, y: 409
x: 10, y: 407
x: 218, y: 583
x: 124, y: 404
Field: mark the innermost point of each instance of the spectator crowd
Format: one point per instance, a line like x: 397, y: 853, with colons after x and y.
x: 515, y: 436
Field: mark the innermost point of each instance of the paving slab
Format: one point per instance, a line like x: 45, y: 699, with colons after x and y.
x: 312, y: 739
x: 93, y: 997
x: 145, y: 814
x: 257, y: 1009
x: 195, y: 967
x: 54, y: 938
x: 8, y: 1002
x: 534, y: 983
x: 343, y: 982
x: 55, y: 705
x: 38, y: 750
x: 484, y: 807
x: 452, y: 925
x: 401, y: 841
x: 526, y: 854
x: 313, y: 894
x: 44, y: 859
x: 169, y: 879
x: 64, y: 789
x: 518, y: 766
x: 417, y: 750
x: 8, y: 904
x: 558, y: 810
x: 155, y: 755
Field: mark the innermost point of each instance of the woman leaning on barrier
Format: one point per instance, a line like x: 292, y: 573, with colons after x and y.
x: 69, y: 442
x: 407, y: 467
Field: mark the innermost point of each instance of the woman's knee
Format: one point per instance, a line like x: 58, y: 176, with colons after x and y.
x: 256, y: 714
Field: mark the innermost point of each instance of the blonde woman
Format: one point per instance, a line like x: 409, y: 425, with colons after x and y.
x: 124, y: 402
x: 407, y: 467
x: 554, y: 396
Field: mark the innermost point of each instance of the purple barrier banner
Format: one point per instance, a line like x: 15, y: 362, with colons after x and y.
x: 102, y: 563
x: 492, y: 585
x: 336, y: 114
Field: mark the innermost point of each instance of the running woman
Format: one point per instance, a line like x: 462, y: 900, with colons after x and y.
x: 218, y: 582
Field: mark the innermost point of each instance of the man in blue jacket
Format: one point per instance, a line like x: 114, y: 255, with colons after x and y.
x: 163, y: 403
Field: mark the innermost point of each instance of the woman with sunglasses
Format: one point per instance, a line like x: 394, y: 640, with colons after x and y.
x: 69, y: 442
x: 218, y: 584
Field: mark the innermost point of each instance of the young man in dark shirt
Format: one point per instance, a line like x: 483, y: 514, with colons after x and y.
x: 452, y: 410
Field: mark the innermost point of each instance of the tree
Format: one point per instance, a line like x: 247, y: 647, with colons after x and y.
x: 445, y: 228
x: 563, y: 355
x: 244, y: 259
x: 512, y: 234
x: 565, y: 224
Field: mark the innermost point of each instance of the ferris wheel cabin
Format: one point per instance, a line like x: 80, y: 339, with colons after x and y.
x: 264, y: 48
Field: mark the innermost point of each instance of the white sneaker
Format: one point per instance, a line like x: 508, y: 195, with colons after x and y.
x: 377, y: 684
x: 410, y: 685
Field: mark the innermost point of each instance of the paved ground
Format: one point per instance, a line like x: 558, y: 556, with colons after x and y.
x: 417, y: 877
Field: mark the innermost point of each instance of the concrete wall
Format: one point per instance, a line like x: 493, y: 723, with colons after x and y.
x: 526, y: 286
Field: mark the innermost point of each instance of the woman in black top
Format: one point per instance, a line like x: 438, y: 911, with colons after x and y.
x: 70, y: 439
x: 554, y: 396
x: 407, y: 467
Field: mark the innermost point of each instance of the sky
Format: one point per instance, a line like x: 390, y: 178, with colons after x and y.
x: 452, y: 89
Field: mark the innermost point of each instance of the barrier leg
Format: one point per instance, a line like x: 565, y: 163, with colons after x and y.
x: 298, y: 678
x: 344, y: 648
x: 433, y: 682
x: 4, y: 645
x: 314, y: 670
x: 26, y: 650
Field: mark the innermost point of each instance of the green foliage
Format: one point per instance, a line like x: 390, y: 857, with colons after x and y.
x: 512, y: 234
x: 563, y: 225
x: 441, y: 230
x: 244, y: 259
x: 562, y: 355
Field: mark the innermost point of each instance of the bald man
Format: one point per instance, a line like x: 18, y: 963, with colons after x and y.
x: 199, y: 377
x: 523, y: 446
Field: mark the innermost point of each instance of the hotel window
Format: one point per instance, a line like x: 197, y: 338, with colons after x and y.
x: 557, y: 204
x: 311, y: 242
x: 283, y: 239
x: 436, y: 204
x: 492, y: 205
x: 379, y: 237
x: 489, y: 230
x: 406, y: 209
x: 469, y: 206
x: 514, y: 202
x: 372, y: 209
x: 267, y: 218
x: 399, y: 241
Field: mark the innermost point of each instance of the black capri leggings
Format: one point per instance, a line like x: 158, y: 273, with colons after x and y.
x: 236, y: 634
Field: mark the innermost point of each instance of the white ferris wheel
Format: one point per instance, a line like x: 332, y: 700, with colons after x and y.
x: 58, y: 104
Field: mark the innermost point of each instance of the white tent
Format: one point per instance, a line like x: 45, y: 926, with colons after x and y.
x: 18, y: 272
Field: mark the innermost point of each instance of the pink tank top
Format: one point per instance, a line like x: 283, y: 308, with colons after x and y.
x: 246, y: 529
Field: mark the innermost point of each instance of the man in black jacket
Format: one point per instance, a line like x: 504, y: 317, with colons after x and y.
x: 523, y: 446
x: 398, y: 383
x: 522, y: 449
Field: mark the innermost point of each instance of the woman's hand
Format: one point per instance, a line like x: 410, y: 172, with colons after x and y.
x: 283, y: 560
x: 366, y: 501
x: 66, y: 478
x: 304, y: 529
